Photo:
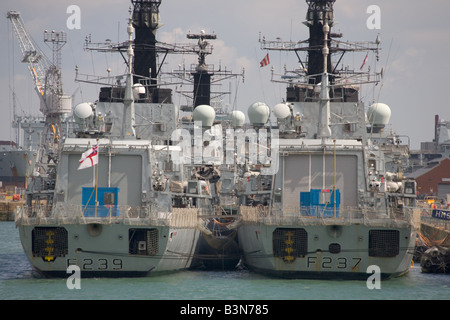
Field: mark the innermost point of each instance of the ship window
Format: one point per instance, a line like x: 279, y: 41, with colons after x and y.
x: 372, y: 166
x: 324, y: 197
x: 348, y: 127
x: 108, y: 198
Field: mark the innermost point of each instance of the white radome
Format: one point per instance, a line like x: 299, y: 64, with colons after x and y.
x: 206, y: 114
x: 258, y: 113
x: 281, y: 111
x: 83, y: 110
x: 379, y: 114
x: 237, y: 119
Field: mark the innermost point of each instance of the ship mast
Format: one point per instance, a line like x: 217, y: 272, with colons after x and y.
x: 202, y: 76
x: 324, y: 119
x: 313, y: 66
x: 319, y: 20
x: 146, y: 21
x: 129, y: 120
x: 321, y: 77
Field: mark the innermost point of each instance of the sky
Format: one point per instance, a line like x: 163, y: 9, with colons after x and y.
x: 414, y: 36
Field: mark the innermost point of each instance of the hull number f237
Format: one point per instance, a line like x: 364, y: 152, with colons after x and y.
x: 332, y: 263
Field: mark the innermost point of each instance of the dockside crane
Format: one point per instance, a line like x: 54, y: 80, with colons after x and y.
x: 54, y: 104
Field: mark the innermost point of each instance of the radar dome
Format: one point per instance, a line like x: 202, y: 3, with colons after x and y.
x: 237, y: 119
x: 281, y: 111
x: 138, y: 90
x: 258, y: 113
x: 379, y: 114
x: 206, y: 114
x: 83, y: 110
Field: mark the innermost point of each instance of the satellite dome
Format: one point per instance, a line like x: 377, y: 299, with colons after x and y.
x: 237, y: 119
x: 379, y: 114
x: 83, y: 110
x: 206, y: 114
x: 258, y: 113
x: 281, y: 111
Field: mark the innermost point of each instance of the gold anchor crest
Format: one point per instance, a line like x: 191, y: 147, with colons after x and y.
x: 289, y: 250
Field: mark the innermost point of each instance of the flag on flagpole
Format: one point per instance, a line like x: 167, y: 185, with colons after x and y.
x: 89, y: 158
x: 364, y: 62
x: 264, y: 62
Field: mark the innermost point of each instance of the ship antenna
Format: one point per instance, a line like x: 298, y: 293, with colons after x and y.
x: 324, y: 125
x: 130, y: 51
x: 128, y: 101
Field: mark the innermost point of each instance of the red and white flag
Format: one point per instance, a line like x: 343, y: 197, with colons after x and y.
x: 364, y: 62
x: 89, y: 158
x: 264, y: 62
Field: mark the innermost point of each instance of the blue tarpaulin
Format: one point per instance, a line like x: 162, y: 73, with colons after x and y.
x: 107, y: 199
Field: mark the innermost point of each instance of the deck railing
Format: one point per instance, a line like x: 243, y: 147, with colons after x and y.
x: 313, y: 215
x: 62, y: 214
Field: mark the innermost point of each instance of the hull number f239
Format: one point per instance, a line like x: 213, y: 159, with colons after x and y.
x: 96, y: 264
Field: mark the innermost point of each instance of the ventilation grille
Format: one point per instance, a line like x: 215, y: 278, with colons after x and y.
x: 290, y: 244
x: 384, y: 243
x: 143, y: 241
x: 49, y: 242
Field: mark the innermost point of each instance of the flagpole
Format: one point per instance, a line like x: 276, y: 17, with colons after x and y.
x: 96, y: 177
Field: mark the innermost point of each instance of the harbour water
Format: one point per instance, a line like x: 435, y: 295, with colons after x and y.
x: 19, y: 282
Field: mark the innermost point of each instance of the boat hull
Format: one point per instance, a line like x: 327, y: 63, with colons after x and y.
x: 325, y: 252
x: 108, y: 250
x: 218, y: 252
x: 218, y: 247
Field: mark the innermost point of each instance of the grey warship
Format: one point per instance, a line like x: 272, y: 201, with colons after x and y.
x: 338, y: 205
x: 218, y: 246
x: 103, y: 198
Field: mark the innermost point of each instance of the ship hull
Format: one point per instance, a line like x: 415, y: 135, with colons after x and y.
x: 218, y: 252
x: 435, y: 235
x: 107, y: 250
x: 325, y: 252
x: 218, y: 247
x: 16, y: 166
